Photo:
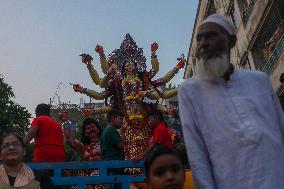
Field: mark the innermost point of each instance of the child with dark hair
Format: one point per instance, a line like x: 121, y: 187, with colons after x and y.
x: 112, y: 114
x: 111, y: 142
x: 112, y: 145
x: 42, y: 109
x: 164, y: 169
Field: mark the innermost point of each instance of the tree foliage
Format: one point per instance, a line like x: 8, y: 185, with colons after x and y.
x: 14, y: 118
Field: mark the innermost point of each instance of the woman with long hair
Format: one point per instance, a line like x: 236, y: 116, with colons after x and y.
x: 89, y: 147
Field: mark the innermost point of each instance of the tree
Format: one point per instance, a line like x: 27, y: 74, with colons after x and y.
x: 14, y: 118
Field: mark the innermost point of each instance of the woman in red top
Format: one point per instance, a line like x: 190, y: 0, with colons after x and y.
x: 48, y: 136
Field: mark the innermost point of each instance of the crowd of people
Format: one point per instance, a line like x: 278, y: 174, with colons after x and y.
x: 232, y: 123
x: 95, y: 144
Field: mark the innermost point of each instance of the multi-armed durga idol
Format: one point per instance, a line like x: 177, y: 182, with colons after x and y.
x: 129, y: 87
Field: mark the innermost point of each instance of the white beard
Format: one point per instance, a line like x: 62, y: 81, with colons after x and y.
x: 213, y: 68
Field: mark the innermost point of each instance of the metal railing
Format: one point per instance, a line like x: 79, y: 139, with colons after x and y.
x: 247, y: 12
x: 270, y: 64
x: 59, y: 179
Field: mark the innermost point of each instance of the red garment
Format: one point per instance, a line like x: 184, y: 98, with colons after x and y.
x: 49, y: 145
x: 162, y: 135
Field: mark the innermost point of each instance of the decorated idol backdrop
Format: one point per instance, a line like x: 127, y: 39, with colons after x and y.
x: 128, y: 86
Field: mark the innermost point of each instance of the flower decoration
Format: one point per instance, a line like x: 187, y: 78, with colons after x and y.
x: 154, y: 47
x: 99, y: 49
x: 77, y: 88
x: 87, y: 112
x: 86, y: 58
x: 130, y: 97
x: 139, y: 116
x: 181, y: 62
x: 63, y: 116
x: 128, y: 80
x: 138, y: 138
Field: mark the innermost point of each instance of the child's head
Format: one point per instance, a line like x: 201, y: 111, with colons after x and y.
x: 164, y: 169
x: 154, y: 118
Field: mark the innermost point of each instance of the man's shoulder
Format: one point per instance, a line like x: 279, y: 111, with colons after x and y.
x: 257, y: 78
x: 40, y: 120
x: 254, y: 74
x: 193, y: 81
x: 108, y: 129
x: 45, y: 118
x: 160, y: 127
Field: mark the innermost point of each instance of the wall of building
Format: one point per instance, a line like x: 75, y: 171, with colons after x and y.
x: 247, y: 34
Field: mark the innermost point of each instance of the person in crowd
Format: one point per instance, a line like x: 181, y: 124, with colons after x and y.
x: 111, y: 142
x: 164, y: 168
x: 89, y: 147
x: 13, y: 172
x: 161, y: 133
x: 232, y: 121
x: 48, y: 136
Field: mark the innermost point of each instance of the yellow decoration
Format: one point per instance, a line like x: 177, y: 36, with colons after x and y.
x: 129, y: 79
x: 131, y: 117
x: 138, y: 138
x: 130, y: 97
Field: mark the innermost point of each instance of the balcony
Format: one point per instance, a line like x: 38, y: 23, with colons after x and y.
x: 269, y: 43
x: 246, y: 10
x: 271, y: 63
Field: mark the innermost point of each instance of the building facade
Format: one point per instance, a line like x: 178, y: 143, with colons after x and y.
x: 260, y: 29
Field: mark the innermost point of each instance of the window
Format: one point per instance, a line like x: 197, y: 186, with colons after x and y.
x: 246, y: 7
x: 269, y: 44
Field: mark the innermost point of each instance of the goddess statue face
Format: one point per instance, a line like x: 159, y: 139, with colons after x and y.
x: 129, y: 66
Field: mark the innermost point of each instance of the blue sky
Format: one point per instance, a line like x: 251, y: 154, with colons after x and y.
x: 40, y: 40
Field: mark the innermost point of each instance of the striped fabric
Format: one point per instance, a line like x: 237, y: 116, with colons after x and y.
x: 24, y: 177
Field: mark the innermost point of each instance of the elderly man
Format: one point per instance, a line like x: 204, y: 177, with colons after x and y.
x: 232, y: 120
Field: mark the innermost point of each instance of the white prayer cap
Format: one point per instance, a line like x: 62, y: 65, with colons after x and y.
x: 221, y: 21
